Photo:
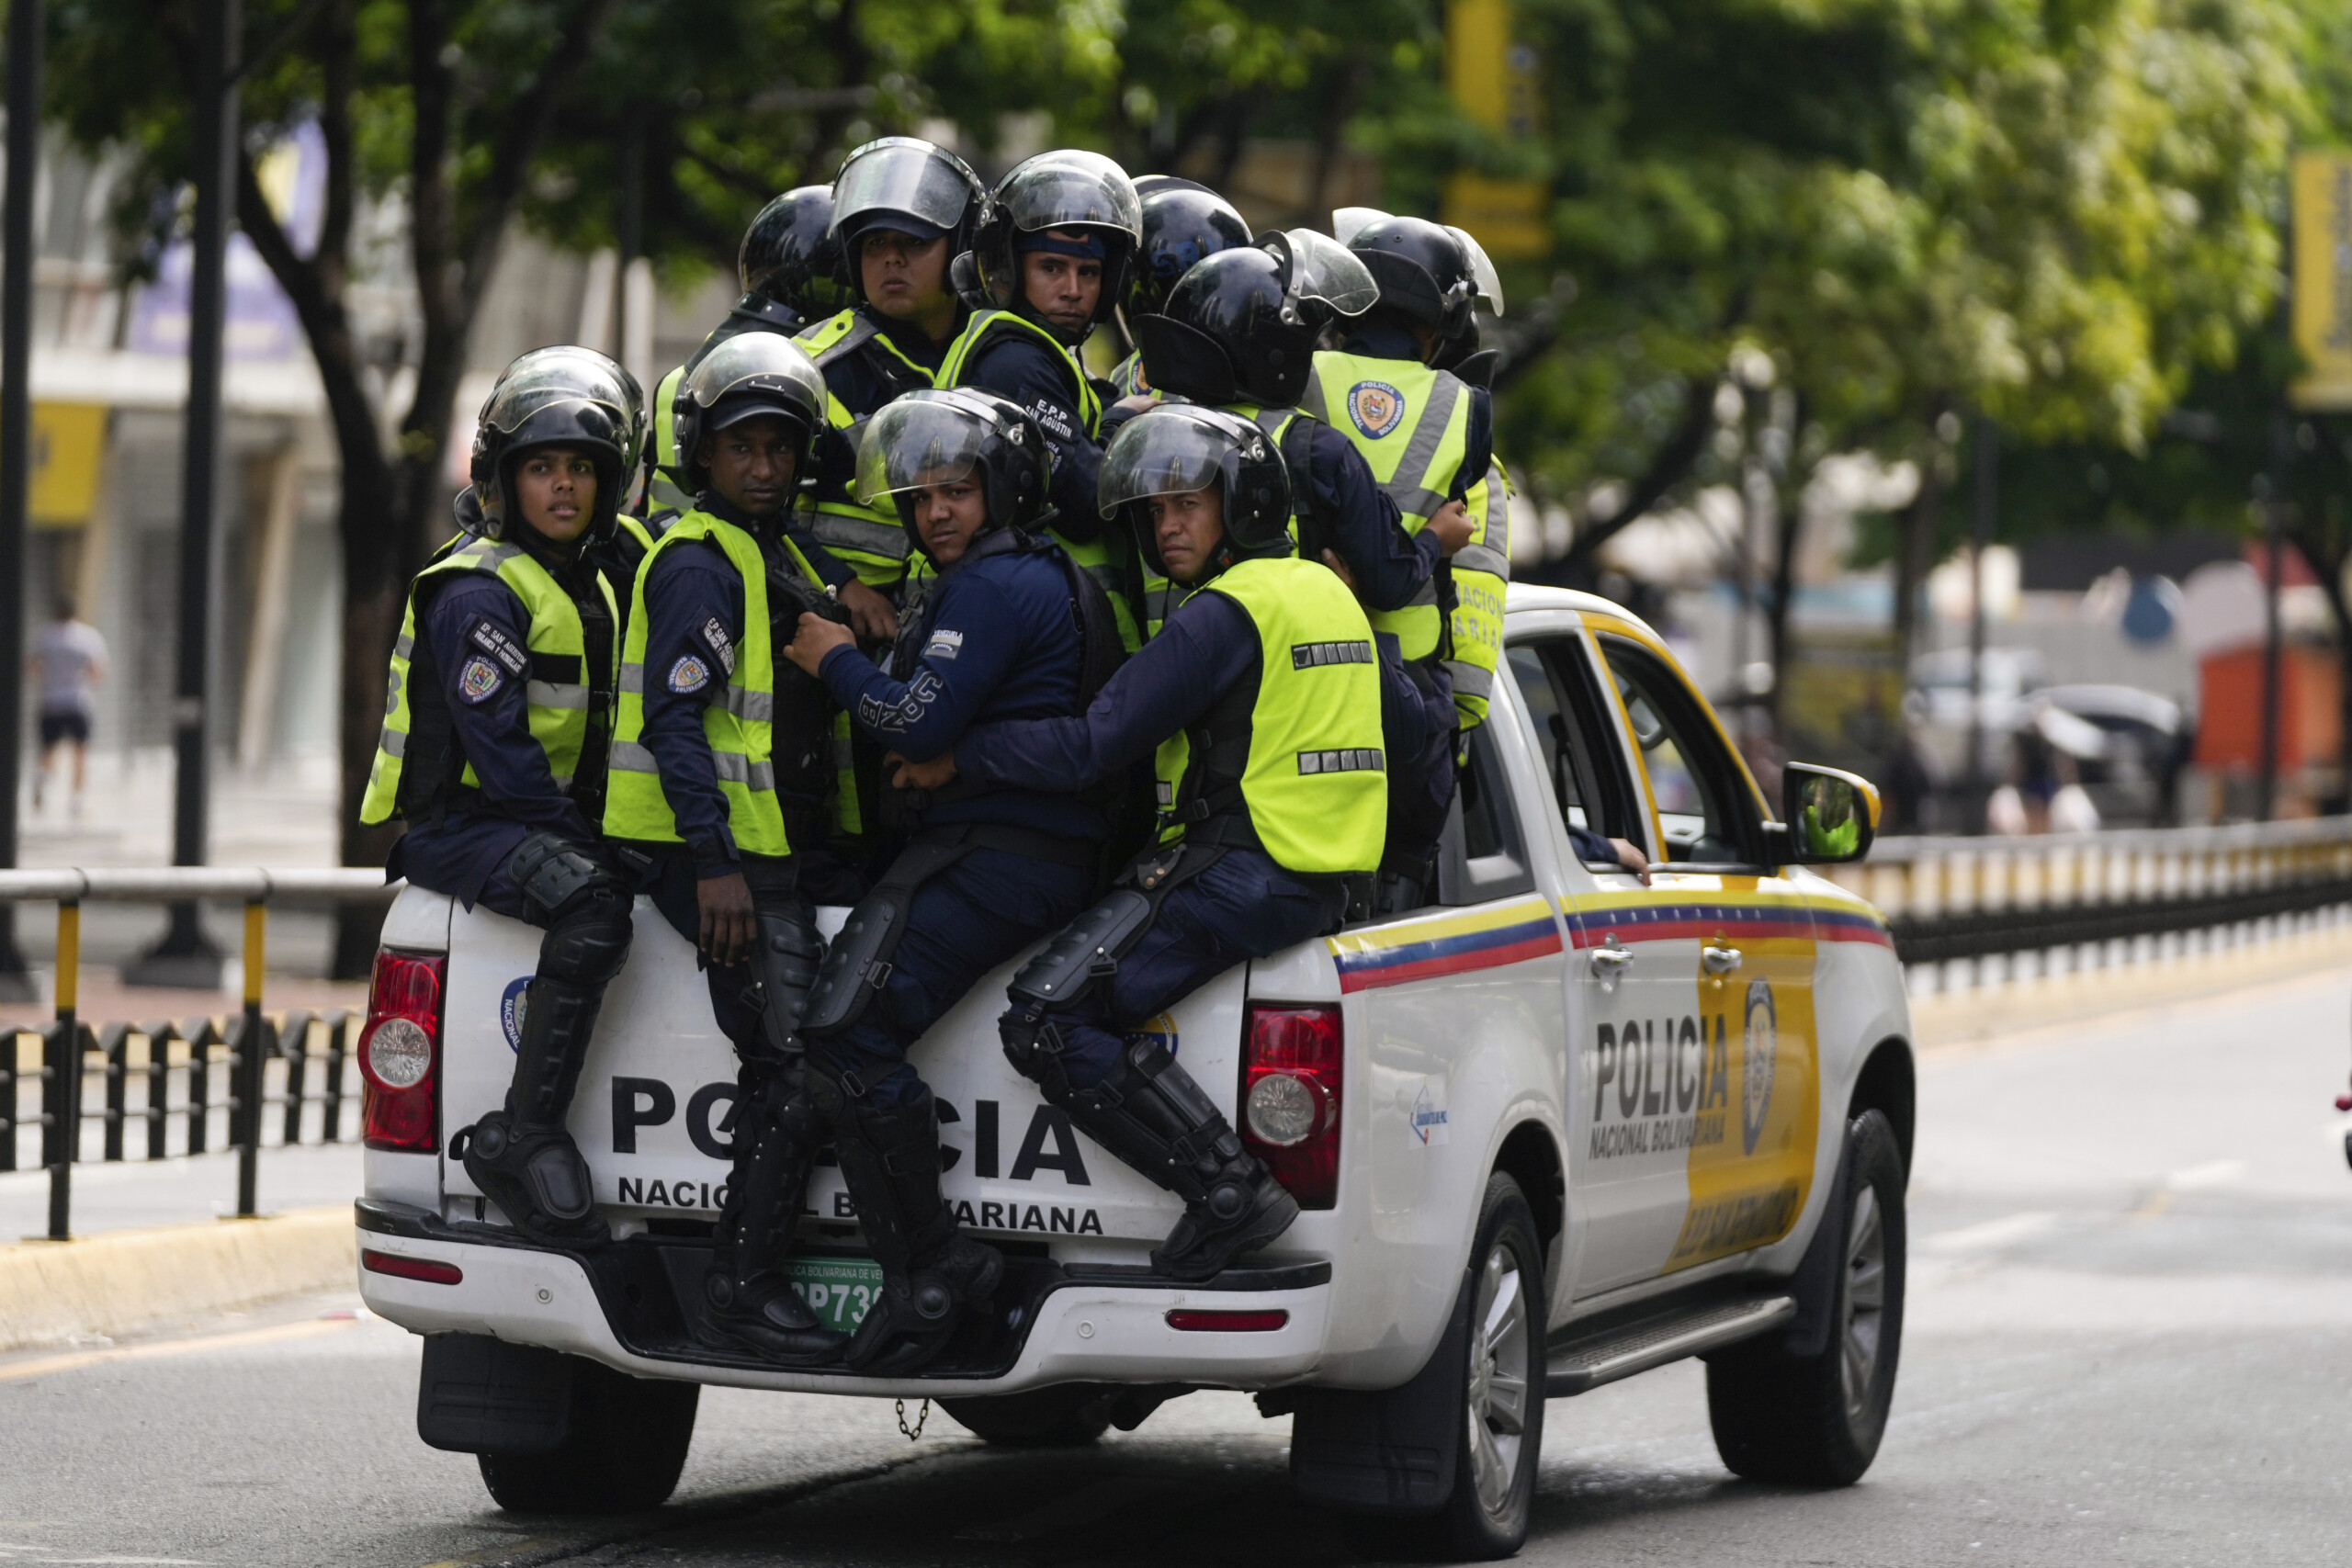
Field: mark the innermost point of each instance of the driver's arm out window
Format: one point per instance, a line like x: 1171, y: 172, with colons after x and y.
x: 1589, y: 789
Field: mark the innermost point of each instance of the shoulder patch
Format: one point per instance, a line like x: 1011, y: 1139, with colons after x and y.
x: 1375, y: 407
x: 944, y: 645
x: 720, y: 643
x: 479, y: 681
x: 1053, y: 419
x: 689, y: 674
x: 498, y: 644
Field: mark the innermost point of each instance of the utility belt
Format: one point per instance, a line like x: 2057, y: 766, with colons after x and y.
x: 1218, y: 817
x: 1215, y: 824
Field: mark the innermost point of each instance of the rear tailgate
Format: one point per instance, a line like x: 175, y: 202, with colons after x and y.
x: 655, y: 1104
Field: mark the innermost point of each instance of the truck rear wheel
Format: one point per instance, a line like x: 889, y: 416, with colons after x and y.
x: 1068, y: 1416
x: 1816, y: 1420
x: 623, y: 1454
x: 1503, y: 1413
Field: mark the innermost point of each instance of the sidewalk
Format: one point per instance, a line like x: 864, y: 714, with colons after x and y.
x: 139, y: 1195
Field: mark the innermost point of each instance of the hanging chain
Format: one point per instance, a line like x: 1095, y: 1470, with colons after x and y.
x: 923, y: 1419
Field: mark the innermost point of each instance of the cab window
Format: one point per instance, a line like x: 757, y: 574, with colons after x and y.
x: 1702, y: 804
x: 1557, y: 687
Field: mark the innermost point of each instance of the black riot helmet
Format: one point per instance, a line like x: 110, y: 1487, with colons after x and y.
x: 937, y: 437
x: 790, y: 262
x: 1242, y: 326
x: 1183, y: 223
x: 1178, y: 448
x: 1064, y: 192
x: 748, y: 376
x: 907, y: 186
x: 1424, y: 269
x: 564, y: 396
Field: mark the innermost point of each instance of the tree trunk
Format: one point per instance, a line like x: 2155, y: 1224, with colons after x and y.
x: 1669, y: 467
x: 1914, y: 556
x: 1788, y: 507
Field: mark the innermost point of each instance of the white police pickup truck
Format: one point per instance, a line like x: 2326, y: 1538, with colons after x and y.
x: 1558, y: 1128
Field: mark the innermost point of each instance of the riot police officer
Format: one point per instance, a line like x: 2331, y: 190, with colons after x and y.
x: 903, y: 209
x: 1267, y: 671
x: 1183, y: 222
x: 720, y: 769
x: 789, y: 264
x: 1239, y: 331
x: 1481, y: 568
x: 494, y: 750
x: 987, y: 870
x: 1049, y: 263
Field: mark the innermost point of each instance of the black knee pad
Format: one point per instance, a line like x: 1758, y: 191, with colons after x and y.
x: 549, y: 872
x: 1033, y: 1043
x: 784, y: 964
x: 587, y: 944
x: 1084, y: 951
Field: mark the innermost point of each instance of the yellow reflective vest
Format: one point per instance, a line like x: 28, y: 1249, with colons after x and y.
x: 739, y: 726
x: 560, y: 711
x: 1313, y: 779
x: 1412, y: 425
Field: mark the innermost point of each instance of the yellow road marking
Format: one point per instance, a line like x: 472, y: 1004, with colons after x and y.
x: 277, y: 1333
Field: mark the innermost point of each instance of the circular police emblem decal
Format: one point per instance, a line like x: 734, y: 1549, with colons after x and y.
x: 1161, y: 1029
x: 478, y: 680
x: 1760, y: 1053
x: 1375, y: 406
x: 510, y: 1011
x: 689, y: 674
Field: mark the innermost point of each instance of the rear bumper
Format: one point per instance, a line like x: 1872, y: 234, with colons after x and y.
x: 1096, y: 1326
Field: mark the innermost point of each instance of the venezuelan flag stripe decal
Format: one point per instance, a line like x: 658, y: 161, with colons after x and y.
x: 1457, y: 944
x: 1594, y: 920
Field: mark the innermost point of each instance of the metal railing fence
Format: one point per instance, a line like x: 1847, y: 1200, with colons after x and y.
x: 221, y: 1067
x: 1949, y: 898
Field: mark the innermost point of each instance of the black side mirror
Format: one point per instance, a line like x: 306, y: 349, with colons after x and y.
x: 1828, y: 816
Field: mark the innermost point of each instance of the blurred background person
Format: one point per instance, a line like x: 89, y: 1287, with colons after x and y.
x: 69, y: 659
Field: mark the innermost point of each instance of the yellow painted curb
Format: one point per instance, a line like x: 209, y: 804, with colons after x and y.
x: 125, y: 1280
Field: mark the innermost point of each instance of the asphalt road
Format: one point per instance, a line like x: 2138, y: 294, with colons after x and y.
x: 2131, y: 1342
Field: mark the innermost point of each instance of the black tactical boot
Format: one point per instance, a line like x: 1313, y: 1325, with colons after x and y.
x: 521, y: 1157
x: 749, y: 1303
x: 1150, y: 1113
x: 932, y: 1275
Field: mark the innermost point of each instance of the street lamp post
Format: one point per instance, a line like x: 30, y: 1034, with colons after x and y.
x: 15, y: 440
x: 186, y: 957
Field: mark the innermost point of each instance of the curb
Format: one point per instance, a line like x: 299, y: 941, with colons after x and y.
x: 1980, y: 1017
x: 123, y: 1280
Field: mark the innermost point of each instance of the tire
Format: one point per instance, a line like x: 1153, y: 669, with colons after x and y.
x: 1817, y: 1420
x: 1499, y: 1406
x: 627, y: 1447
x: 1068, y: 1416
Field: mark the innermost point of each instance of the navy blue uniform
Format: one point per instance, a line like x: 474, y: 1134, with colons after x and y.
x: 1017, y: 366
x: 1243, y: 907
x: 464, y: 852
x: 996, y: 642
x: 864, y: 379
x: 1361, y: 525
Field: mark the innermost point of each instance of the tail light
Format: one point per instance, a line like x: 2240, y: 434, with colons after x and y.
x: 431, y: 1270
x: 400, y: 1052
x: 1290, y: 1098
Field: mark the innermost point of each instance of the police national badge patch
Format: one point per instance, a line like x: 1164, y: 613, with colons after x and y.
x: 689, y: 674
x: 1375, y: 406
x: 478, y: 680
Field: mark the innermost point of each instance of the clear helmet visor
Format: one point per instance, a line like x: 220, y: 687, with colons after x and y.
x: 763, y: 363
x: 1491, y: 283
x: 915, y: 443
x: 529, y: 399
x: 1323, y: 269
x: 1347, y: 222
x: 1168, y: 451
x: 1068, y: 188
x: 903, y: 173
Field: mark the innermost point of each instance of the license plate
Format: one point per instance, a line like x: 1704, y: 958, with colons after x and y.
x: 838, y: 1290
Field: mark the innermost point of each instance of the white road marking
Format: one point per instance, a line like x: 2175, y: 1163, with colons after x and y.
x: 2213, y: 1173
x: 1990, y: 1234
